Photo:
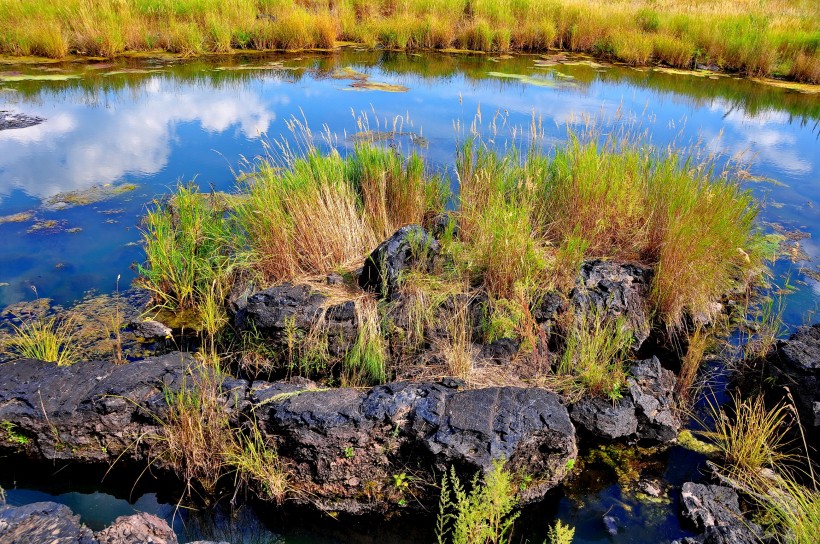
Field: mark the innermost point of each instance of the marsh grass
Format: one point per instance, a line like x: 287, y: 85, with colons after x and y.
x: 752, y: 437
x: 319, y: 213
x: 44, y: 339
x: 256, y: 465
x: 190, y: 249
x: 595, y: 350
x: 750, y: 37
x: 698, y: 343
x: 366, y: 361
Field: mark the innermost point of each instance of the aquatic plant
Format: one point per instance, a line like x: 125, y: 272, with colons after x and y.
x: 753, y: 437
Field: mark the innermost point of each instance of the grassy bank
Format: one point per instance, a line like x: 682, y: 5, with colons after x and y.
x: 523, y: 223
x: 759, y: 39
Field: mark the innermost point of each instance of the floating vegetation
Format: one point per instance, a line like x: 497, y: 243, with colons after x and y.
x: 790, y: 85
x: 16, y: 77
x: 21, y: 217
x: 362, y: 82
x: 527, y: 80
x: 92, y: 195
x: 126, y: 71
x: 49, y: 226
x: 277, y: 65
x: 679, y: 72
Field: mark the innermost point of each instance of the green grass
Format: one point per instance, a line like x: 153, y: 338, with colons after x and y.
x: 595, y: 350
x: 779, y: 37
x: 44, y: 339
x: 191, y: 251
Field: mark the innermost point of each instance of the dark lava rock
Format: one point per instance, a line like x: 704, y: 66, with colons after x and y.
x: 441, y: 223
x: 615, y: 290
x: 645, y: 412
x: 709, y: 505
x: 406, y: 248
x: 94, y: 411
x: 714, y: 510
x: 353, y: 441
x: 42, y: 522
x: 150, y: 330
x: 502, y: 351
x: 287, y: 309
x: 795, y: 363
x: 9, y: 120
x: 140, y: 528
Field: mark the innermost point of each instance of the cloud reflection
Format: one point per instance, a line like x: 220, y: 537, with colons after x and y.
x: 77, y: 147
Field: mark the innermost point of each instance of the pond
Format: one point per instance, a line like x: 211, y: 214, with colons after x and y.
x: 117, y: 134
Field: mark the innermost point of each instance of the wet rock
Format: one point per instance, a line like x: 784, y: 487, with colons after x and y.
x: 714, y: 510
x: 442, y: 223
x: 645, y: 412
x: 287, y: 312
x: 150, y: 330
x: 46, y: 522
x: 10, y: 120
x: 502, y: 351
x: 616, y: 291
x: 94, y: 411
x: 709, y: 505
x: 140, y: 528
x: 605, y: 419
x: 343, y: 435
x: 651, y: 387
x: 408, y: 247
x: 795, y: 363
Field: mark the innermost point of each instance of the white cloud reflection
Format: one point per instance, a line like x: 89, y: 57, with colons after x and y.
x: 77, y: 147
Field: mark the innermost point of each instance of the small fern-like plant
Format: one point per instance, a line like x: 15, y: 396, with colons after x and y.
x: 484, y: 515
x: 560, y: 533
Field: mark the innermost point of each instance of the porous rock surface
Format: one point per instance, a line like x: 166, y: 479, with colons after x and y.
x: 409, y: 246
x: 342, y: 445
x: 286, y: 311
x: 615, y: 290
x: 137, y: 529
x: 795, y: 363
x: 645, y: 411
x: 42, y: 522
x: 714, y: 511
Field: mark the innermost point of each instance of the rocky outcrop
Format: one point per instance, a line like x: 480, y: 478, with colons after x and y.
x: 410, y: 246
x: 91, y: 411
x: 356, y: 441
x: 42, y: 522
x: 615, y: 290
x: 344, y: 446
x: 149, y: 330
x: 287, y: 313
x: 795, y: 363
x: 645, y: 412
x: 714, y: 510
x: 10, y: 120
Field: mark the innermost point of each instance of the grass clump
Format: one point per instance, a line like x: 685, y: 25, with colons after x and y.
x: 190, y: 250
x: 44, y: 339
x: 595, y: 350
x: 753, y: 438
x: 321, y: 212
x: 366, y: 361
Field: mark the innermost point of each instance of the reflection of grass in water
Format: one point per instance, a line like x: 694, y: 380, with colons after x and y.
x: 751, y: 97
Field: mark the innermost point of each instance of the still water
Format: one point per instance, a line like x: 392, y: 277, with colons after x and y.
x: 117, y: 135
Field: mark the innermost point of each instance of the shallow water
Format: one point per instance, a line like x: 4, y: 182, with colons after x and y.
x: 154, y: 123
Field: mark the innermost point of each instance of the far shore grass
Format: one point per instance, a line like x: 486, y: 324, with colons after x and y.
x: 778, y: 38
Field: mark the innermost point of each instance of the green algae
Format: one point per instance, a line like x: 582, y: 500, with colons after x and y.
x: 16, y: 78
x: 92, y: 195
x: 21, y: 217
x: 686, y: 439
